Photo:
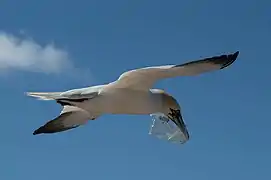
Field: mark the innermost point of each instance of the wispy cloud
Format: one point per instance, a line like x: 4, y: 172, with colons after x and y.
x: 25, y: 54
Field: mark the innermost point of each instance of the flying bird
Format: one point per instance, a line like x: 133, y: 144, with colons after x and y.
x: 131, y: 93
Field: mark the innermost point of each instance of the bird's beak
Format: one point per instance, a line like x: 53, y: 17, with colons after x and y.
x: 178, y: 120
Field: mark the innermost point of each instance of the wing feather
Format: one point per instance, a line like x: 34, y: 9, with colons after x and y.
x: 144, y: 78
x: 69, y: 118
x: 73, y: 95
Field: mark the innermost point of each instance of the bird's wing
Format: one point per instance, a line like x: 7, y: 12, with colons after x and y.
x: 69, y: 118
x: 73, y: 95
x: 144, y: 78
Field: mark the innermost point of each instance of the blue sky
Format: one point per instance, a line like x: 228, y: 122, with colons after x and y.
x: 227, y: 112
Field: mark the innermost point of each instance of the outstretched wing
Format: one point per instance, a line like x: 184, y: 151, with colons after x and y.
x: 144, y: 78
x: 69, y: 118
x: 76, y: 95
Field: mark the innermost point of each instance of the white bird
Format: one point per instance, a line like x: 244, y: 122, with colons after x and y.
x: 132, y: 93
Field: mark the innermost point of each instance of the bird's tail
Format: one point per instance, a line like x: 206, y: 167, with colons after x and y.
x: 44, y: 95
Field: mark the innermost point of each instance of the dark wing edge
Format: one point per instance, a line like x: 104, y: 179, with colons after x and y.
x: 55, y: 125
x: 222, y: 60
x: 76, y: 99
x: 62, y: 123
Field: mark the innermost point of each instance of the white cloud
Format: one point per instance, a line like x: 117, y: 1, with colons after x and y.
x: 27, y: 55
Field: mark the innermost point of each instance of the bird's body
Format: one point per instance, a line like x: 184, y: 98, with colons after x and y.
x: 124, y: 101
x: 132, y: 93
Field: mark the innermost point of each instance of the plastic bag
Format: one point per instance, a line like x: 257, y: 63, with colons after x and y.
x: 163, y: 128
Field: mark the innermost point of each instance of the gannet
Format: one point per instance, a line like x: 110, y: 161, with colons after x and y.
x: 131, y: 93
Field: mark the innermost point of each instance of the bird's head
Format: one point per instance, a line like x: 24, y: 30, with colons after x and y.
x: 172, y: 109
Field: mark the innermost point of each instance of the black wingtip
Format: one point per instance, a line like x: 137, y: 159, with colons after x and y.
x: 236, y: 54
x: 231, y: 58
x: 38, y: 131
